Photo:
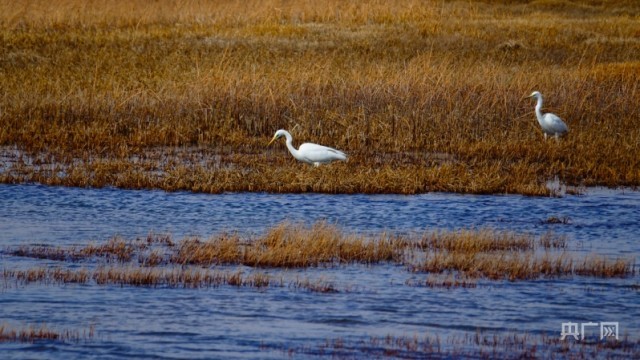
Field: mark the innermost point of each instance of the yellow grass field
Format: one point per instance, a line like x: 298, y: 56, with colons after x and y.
x: 422, y: 95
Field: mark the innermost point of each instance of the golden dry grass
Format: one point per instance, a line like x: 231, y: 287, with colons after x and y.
x: 458, y: 257
x: 423, y: 95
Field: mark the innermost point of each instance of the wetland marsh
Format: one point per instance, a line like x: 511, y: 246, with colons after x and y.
x: 143, y: 215
x: 422, y: 95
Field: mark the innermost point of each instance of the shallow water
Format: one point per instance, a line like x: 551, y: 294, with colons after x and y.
x: 373, y: 301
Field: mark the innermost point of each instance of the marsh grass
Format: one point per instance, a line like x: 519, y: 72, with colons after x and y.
x: 477, y: 346
x: 423, y: 95
x: 54, y: 275
x: 179, y: 277
x: 42, y: 333
x: 173, y: 277
x: 462, y: 255
x: 444, y: 281
x: 514, y: 266
x: 288, y: 245
x: 473, y: 241
x: 115, y: 249
x: 557, y: 220
x: 316, y: 285
x: 552, y: 241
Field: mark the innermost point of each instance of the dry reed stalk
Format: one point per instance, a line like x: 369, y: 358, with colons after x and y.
x: 162, y: 277
x: 447, y: 281
x: 600, y: 266
x: 115, y: 247
x: 318, y: 285
x: 41, y: 252
x: 522, y: 266
x: 33, y: 333
x: 289, y: 245
x: 220, y: 250
x: 48, y: 275
x: 474, y: 241
x: 478, y: 345
x: 174, y: 277
x: 551, y: 241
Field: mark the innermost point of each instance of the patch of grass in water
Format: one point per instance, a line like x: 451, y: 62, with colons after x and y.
x: 33, y: 333
x: 481, y: 253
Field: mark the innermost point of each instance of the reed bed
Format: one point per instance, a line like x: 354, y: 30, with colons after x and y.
x: 289, y: 245
x: 115, y: 249
x: 467, y: 254
x: 423, y: 95
x: 179, y: 277
x: 483, y: 240
x: 174, y: 277
x: 517, y: 266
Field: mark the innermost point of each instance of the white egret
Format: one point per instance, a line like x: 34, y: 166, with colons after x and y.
x: 551, y: 124
x: 310, y: 153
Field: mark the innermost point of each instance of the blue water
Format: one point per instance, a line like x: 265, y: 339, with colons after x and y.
x: 232, y: 322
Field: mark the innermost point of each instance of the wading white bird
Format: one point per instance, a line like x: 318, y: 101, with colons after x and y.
x: 310, y: 153
x: 551, y: 124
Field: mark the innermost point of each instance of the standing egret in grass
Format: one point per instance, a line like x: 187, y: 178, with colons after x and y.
x: 551, y: 124
x: 310, y: 153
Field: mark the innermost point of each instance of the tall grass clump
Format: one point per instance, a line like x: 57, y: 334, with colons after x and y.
x: 288, y: 245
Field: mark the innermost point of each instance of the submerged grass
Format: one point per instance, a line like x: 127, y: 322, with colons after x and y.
x: 475, y: 346
x: 33, y: 333
x: 423, y: 95
x: 465, y: 254
x: 447, y: 281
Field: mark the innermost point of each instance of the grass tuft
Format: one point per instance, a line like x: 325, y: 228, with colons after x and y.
x: 43, y: 333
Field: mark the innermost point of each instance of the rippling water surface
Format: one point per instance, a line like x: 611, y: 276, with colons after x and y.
x: 247, y: 323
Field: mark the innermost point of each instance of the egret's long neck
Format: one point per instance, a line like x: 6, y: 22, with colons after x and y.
x: 289, y: 143
x: 539, y: 109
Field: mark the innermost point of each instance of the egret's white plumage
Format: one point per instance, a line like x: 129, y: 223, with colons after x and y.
x: 551, y: 124
x: 310, y: 153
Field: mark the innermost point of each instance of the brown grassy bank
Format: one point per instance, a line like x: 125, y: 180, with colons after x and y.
x: 423, y: 95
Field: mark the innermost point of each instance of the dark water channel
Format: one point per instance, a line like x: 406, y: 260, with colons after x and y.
x: 230, y: 322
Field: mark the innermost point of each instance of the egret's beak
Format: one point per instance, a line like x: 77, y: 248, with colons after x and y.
x: 272, y: 140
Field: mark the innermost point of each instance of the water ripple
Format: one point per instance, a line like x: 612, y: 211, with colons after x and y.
x: 229, y: 322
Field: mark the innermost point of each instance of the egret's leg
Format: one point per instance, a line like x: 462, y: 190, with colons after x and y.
x: 545, y: 136
x: 316, y: 164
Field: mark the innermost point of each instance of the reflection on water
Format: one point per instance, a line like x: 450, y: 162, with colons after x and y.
x: 240, y: 322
